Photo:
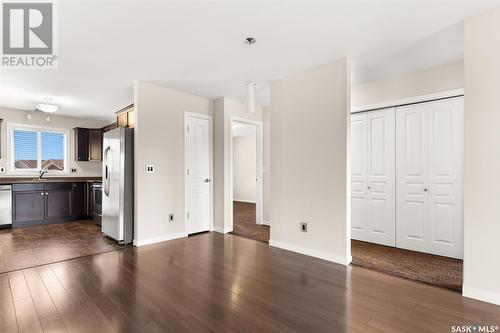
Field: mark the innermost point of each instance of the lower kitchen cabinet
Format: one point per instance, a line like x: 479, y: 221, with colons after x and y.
x: 58, y: 204
x: 53, y: 202
x: 28, y: 206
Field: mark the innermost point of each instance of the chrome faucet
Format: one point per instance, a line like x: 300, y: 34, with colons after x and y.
x: 41, y: 174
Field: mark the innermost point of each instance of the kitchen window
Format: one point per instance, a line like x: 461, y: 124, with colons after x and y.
x: 34, y: 149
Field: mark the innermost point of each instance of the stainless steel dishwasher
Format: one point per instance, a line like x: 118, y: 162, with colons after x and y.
x: 5, y: 205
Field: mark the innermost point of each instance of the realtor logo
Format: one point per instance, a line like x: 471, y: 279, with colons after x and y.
x: 28, y: 34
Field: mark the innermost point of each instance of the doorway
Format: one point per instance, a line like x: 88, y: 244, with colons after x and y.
x: 246, y: 180
x: 198, y: 176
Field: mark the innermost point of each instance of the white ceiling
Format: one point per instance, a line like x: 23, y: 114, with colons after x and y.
x: 198, y: 47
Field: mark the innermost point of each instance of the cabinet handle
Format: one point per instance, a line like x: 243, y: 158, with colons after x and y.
x: 46, y: 193
x: 42, y: 193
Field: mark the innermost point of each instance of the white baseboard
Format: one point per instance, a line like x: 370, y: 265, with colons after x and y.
x: 222, y: 230
x: 163, y: 238
x: 245, y: 201
x: 311, y: 252
x: 482, y: 295
x: 266, y: 222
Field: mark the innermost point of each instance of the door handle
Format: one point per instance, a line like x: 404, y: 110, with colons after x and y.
x: 425, y: 189
x: 207, y: 180
x: 106, y: 171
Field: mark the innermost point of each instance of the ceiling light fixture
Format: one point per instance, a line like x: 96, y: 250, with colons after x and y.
x: 250, y: 85
x: 46, y: 107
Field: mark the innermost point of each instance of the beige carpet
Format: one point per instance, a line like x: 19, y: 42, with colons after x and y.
x: 440, y: 271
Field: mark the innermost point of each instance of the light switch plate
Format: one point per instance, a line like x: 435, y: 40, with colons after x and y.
x: 150, y: 168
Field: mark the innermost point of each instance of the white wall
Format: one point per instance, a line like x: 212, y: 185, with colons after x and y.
x: 310, y: 114
x: 224, y: 109
x: 482, y: 157
x: 266, y: 123
x: 245, y: 166
x: 159, y: 140
x: 422, y: 82
x: 84, y: 169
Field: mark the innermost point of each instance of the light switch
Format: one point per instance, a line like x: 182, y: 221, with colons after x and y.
x: 150, y: 168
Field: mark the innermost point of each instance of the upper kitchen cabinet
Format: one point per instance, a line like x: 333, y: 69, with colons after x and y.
x: 126, y: 117
x: 88, y: 144
x: 95, y: 145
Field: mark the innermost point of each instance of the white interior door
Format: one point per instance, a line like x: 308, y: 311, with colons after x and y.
x: 429, y: 152
x: 198, y: 170
x: 372, y: 177
x: 381, y: 177
x: 359, y: 175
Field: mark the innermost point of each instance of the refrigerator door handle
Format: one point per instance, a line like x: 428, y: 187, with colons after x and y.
x: 106, y: 171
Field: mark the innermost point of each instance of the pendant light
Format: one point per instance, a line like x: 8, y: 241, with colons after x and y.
x: 250, y: 85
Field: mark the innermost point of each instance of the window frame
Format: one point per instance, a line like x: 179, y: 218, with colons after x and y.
x: 38, y: 129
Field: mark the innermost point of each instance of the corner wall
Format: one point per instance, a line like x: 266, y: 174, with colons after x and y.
x: 310, y: 182
x: 159, y: 140
x: 482, y: 157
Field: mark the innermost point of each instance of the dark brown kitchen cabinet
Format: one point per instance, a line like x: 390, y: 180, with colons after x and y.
x: 81, y: 144
x: 28, y: 206
x: 58, y: 204
x: 79, y: 199
x: 95, y: 145
x: 88, y: 144
x: 42, y: 203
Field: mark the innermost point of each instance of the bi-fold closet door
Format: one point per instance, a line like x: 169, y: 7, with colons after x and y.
x: 429, y: 177
x: 407, y: 177
x: 373, y: 177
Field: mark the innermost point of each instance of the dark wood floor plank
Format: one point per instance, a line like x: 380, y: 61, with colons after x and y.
x: 27, y: 318
x: 8, y: 321
x: 53, y: 324
x: 216, y: 283
x: 41, y: 298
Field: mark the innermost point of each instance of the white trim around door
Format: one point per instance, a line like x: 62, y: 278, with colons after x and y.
x: 260, y: 169
x: 209, y: 178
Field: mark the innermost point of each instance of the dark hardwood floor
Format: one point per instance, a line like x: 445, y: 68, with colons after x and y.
x: 222, y: 283
x: 244, y: 222
x: 31, y: 246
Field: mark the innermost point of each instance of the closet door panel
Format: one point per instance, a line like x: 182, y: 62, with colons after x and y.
x: 358, y: 152
x: 411, y: 175
x: 446, y: 177
x: 381, y: 176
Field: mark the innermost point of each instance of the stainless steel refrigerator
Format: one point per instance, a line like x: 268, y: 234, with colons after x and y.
x: 118, y: 184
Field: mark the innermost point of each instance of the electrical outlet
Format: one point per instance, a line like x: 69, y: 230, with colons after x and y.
x: 73, y: 170
x: 150, y: 168
x: 2, y: 170
x: 171, y: 217
x: 303, y: 226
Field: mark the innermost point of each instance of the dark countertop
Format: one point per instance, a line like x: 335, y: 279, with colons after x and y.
x: 24, y: 180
